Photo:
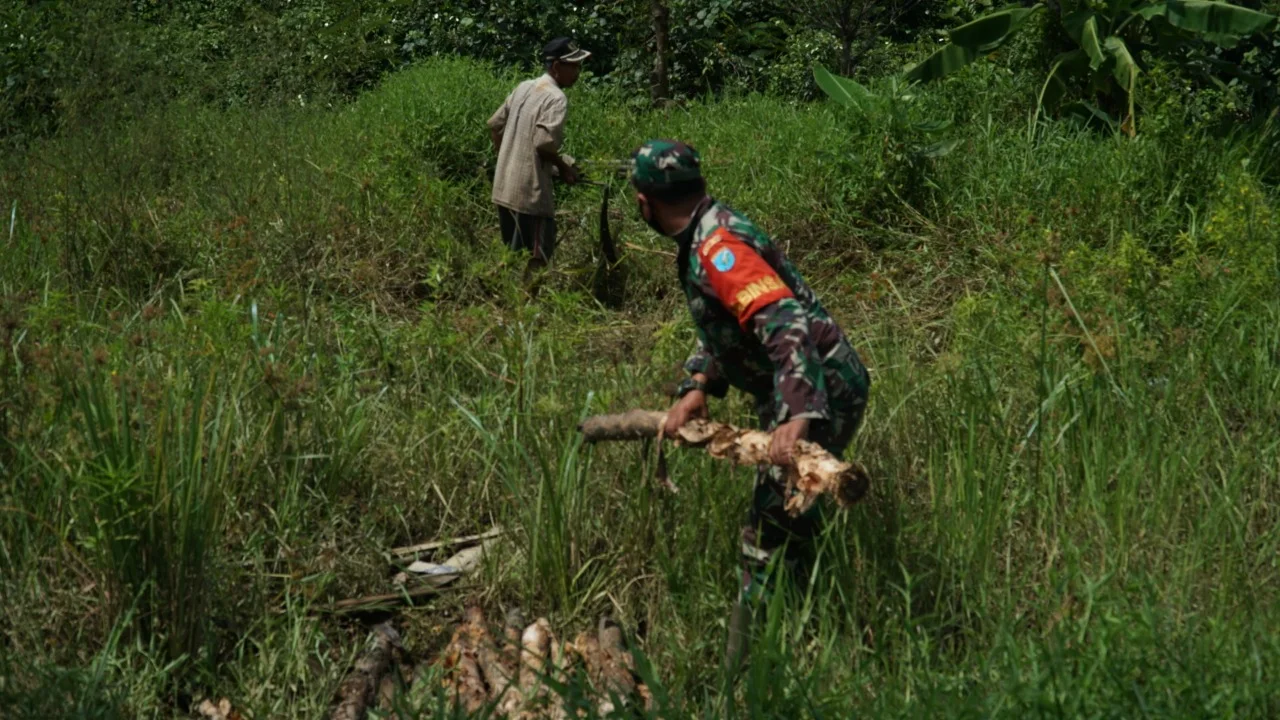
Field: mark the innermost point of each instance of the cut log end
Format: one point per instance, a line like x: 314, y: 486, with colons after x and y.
x: 853, y: 485
x: 632, y: 425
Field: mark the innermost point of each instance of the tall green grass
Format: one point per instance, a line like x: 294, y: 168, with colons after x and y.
x: 152, y: 505
x: 248, y: 350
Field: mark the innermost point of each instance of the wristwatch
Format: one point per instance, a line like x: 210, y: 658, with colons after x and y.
x: 688, y: 385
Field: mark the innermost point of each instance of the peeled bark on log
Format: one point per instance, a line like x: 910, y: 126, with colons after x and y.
x: 358, y: 691
x: 479, y: 674
x: 499, y: 674
x: 513, y: 622
x: 539, y: 655
x: 618, y: 680
x: 465, y: 658
x: 220, y: 711
x: 396, y: 683
x: 815, y: 471
x: 536, y: 651
x: 471, y: 692
x: 509, y: 696
x: 630, y: 425
x: 386, y: 692
x: 609, y: 667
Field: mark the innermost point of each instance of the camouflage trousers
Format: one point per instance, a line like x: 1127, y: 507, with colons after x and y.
x: 768, y: 528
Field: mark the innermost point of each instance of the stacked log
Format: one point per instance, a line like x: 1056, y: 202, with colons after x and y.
x: 516, y: 675
x: 512, y: 677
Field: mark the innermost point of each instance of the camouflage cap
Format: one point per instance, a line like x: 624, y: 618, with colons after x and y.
x: 659, y: 163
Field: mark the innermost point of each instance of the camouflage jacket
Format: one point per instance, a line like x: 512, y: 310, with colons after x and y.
x: 760, y: 327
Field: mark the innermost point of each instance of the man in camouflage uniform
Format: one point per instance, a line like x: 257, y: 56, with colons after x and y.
x: 761, y: 329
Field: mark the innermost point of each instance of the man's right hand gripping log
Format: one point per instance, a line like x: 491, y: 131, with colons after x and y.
x: 762, y: 330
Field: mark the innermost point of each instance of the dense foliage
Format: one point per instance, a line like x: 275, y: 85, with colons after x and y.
x: 1113, y: 44
x: 257, y: 329
x: 72, y: 62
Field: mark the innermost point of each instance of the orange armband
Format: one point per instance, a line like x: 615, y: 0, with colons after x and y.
x: 742, y: 280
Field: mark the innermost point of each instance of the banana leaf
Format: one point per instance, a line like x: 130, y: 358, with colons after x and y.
x: 989, y: 31
x: 1222, y: 40
x: 1074, y: 24
x: 1219, y: 18
x: 1125, y: 69
x: 845, y: 91
x: 1055, y: 84
x: 942, y: 63
x: 1091, y: 44
x: 970, y: 41
x: 1153, y: 10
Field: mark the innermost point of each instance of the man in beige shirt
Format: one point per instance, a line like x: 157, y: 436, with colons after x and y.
x: 527, y: 131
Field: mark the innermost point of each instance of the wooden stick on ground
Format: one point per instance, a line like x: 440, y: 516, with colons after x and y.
x: 815, y: 471
x: 358, y: 690
x: 386, y: 601
x: 412, y: 550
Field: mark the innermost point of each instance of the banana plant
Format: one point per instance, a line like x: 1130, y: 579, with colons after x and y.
x: 891, y: 106
x: 1110, y: 36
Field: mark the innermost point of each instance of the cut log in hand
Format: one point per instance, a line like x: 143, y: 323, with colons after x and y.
x: 814, y: 472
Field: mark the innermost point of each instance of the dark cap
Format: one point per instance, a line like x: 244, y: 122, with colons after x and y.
x: 663, y: 163
x: 564, y: 50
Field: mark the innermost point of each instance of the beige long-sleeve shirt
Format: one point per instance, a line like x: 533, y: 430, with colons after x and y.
x: 530, y: 120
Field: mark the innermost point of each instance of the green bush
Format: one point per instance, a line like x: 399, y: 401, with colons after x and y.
x: 792, y: 75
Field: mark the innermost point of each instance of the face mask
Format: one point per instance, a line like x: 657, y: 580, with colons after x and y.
x: 651, y: 221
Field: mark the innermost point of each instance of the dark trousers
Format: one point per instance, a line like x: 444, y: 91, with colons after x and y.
x: 531, y: 233
x: 768, y: 527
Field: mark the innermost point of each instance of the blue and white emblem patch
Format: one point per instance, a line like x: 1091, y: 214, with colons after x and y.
x: 724, y: 260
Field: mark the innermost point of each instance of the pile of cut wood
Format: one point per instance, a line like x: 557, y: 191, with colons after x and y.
x: 515, y: 677
x: 512, y: 677
x: 513, y: 673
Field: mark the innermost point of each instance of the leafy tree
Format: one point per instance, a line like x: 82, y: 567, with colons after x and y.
x: 1111, y: 38
x: 857, y: 24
